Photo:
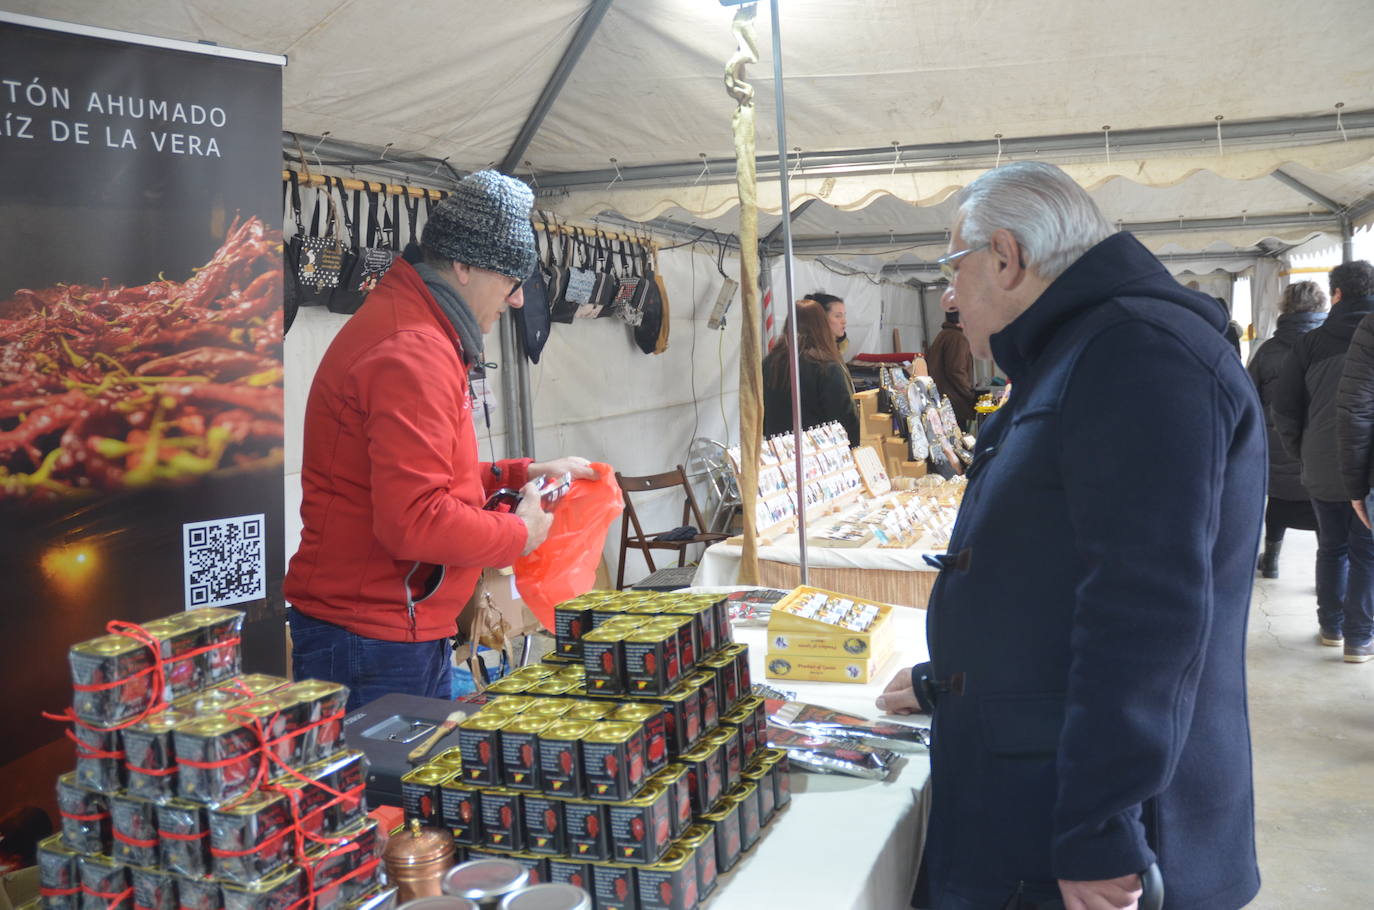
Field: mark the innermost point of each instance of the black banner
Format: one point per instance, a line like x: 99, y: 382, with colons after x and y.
x: 140, y: 360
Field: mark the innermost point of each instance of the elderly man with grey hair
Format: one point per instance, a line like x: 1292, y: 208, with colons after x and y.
x: 1087, y: 631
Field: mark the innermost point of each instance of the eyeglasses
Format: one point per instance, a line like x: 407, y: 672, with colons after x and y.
x: 517, y: 285
x: 946, y: 262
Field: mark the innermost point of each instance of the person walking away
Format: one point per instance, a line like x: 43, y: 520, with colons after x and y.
x: 1304, y: 408
x: 1301, y: 309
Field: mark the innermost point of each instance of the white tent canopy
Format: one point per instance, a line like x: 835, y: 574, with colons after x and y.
x: 1126, y: 96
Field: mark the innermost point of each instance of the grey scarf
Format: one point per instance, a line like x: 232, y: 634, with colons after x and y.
x: 457, y: 311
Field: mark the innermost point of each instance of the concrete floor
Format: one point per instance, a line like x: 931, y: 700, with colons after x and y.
x: 1312, y: 720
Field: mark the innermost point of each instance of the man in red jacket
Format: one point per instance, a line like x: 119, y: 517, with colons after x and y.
x: 395, y: 536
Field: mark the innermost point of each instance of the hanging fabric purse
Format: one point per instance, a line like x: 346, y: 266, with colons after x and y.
x: 651, y: 335
x: 633, y: 289
x: 412, y: 253
x: 605, y: 265
x: 346, y: 298
x: 291, y: 253
x: 322, y: 257
x: 532, y: 319
x: 588, y: 285
x: 562, y: 308
x: 374, y: 259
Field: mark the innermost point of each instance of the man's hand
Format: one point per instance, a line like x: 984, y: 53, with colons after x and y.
x: 537, y: 521
x: 1360, y: 510
x: 1111, y: 894
x: 579, y: 468
x: 899, y: 697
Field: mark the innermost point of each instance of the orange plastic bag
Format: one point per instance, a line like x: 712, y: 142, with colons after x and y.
x: 564, y: 565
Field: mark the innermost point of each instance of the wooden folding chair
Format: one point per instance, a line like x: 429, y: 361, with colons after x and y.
x: 646, y: 543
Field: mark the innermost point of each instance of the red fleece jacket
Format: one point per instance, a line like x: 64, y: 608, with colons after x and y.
x: 392, y: 487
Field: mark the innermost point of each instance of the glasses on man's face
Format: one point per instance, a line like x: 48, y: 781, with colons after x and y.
x: 515, y: 286
x: 947, y: 262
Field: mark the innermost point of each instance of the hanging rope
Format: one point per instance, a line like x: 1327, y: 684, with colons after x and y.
x: 751, y: 344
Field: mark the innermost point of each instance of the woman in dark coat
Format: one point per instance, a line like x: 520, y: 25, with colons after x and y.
x: 1302, y: 309
x: 826, y: 393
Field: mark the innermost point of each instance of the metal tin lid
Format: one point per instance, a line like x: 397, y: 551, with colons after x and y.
x: 162, y: 721
x: 669, y: 773
x: 548, y: 896
x: 452, y: 756
x: 427, y: 775
x: 310, y: 689
x: 549, y: 707
x: 209, y: 616
x: 723, y: 735
x: 589, y: 710
x: 484, y: 879
x: 213, y: 725
x: 568, y: 729
x: 509, y: 686
x: 485, y: 722
x: 674, y: 859
x: 440, y: 902
x: 266, y: 885
x: 250, y: 804
x: 507, y: 704
x: 554, y: 686
x: 603, y: 633
x: 636, y: 711
x: 649, y: 635
x: 418, y: 846
x: 610, y: 606
x: 260, y: 683
x: 718, y: 659
x: 108, y: 646
x: 527, y: 724
x: 611, y: 732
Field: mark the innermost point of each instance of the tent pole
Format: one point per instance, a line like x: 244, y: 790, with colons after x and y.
x: 786, y: 225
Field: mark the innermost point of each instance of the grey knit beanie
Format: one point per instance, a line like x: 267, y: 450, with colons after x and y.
x: 485, y: 223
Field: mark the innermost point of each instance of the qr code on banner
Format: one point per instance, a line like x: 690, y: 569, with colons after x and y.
x: 225, y: 561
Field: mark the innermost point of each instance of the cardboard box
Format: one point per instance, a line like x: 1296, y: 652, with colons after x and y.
x: 913, y: 469
x: 918, y: 367
x: 785, y: 665
x: 797, y: 637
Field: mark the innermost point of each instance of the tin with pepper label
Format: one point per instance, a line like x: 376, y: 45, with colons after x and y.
x: 682, y: 719
x: 653, y: 718
x: 85, y: 816
x: 613, y: 760
x: 196, y: 892
x: 461, y: 810
x: 641, y: 828
x: 420, y: 792
x: 651, y: 661
x: 560, y: 758
x: 149, y: 754
x: 779, y: 769
x: 321, y: 714
x: 279, y: 892
x: 183, y: 837
x: 220, y: 632
x: 673, y: 778
x: 700, y: 638
x: 588, y: 831
x: 154, y: 889
x: 746, y: 795
x: 177, y: 637
x: 99, y: 758
x: 707, y: 694
x: 603, y: 657
x: 670, y: 884
x: 479, y: 738
x: 758, y: 776
x: 742, y: 719
x: 575, y: 872
x: 217, y: 758
x: 728, y: 739
x: 249, y: 840
x: 112, y: 677
x: 701, y: 841
x: 570, y: 622
x: 727, y: 679
x: 537, y: 866
x: 105, y: 883
x: 59, y: 874
x: 133, y: 824
x: 503, y: 825
x: 545, y: 827
x: 617, y: 887
x: 520, y: 751
x: 705, y: 775
x: 726, y: 825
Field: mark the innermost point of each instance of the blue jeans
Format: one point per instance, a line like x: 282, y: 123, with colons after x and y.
x: 369, y: 667
x: 1345, y: 572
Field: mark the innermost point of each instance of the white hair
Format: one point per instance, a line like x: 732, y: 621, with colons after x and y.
x: 1053, y: 218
